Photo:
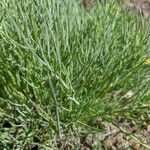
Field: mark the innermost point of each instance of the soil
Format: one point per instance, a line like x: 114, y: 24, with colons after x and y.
x: 140, y: 6
x: 124, y: 135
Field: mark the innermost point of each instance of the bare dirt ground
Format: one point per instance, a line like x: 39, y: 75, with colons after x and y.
x: 123, y: 135
x: 140, y: 6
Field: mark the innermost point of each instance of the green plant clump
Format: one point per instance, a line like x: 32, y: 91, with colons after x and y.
x: 59, y: 64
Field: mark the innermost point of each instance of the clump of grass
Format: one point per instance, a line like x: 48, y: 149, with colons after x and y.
x: 60, y: 63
